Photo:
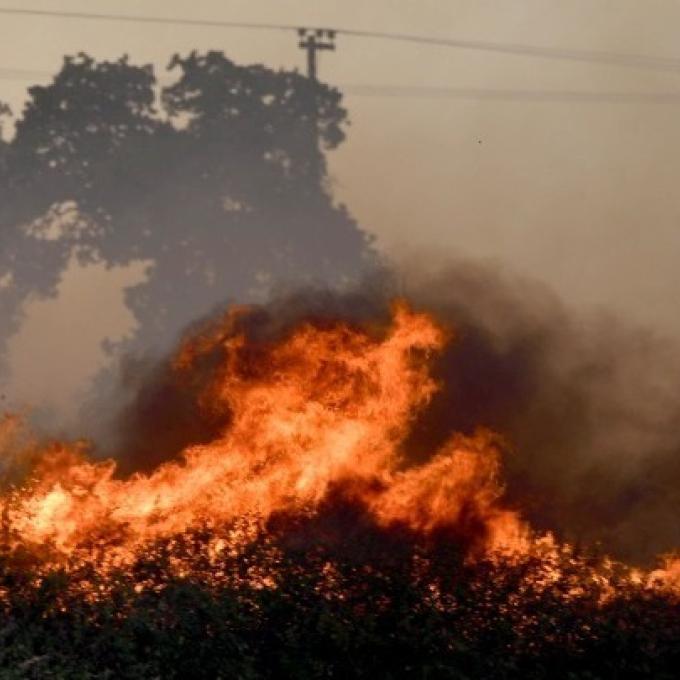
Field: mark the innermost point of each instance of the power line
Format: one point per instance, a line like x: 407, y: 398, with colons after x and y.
x: 611, y: 58
x: 141, y: 19
x: 424, y: 92
x: 433, y: 92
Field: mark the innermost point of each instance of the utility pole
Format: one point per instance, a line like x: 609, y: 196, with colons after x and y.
x: 313, y: 40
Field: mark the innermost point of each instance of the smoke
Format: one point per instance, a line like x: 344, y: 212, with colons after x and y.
x: 588, y: 405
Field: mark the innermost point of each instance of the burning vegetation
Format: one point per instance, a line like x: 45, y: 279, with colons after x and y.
x: 304, y: 538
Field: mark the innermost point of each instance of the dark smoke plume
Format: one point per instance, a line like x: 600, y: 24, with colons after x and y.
x: 588, y: 405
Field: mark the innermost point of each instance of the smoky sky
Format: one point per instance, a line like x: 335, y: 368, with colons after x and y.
x: 574, y: 180
x: 571, y: 180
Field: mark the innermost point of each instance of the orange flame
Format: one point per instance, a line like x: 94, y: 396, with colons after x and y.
x: 323, y: 408
x: 323, y: 412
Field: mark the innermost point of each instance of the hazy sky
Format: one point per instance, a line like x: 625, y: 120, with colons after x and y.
x: 581, y: 194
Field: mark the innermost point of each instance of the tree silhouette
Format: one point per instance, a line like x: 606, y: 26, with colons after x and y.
x: 219, y: 182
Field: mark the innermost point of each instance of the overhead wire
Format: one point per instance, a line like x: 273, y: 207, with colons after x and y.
x: 425, y: 92
x: 611, y: 58
x: 418, y: 92
x: 434, y: 92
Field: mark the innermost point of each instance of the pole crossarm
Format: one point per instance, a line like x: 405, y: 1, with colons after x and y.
x: 312, y: 41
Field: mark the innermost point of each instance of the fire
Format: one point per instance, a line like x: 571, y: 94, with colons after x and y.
x: 317, y: 418
x: 324, y: 410
x: 307, y: 507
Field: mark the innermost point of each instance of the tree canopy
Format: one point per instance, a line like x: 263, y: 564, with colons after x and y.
x: 218, y: 180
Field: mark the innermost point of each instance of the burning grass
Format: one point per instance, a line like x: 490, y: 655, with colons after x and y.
x: 303, y: 540
x: 375, y: 605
